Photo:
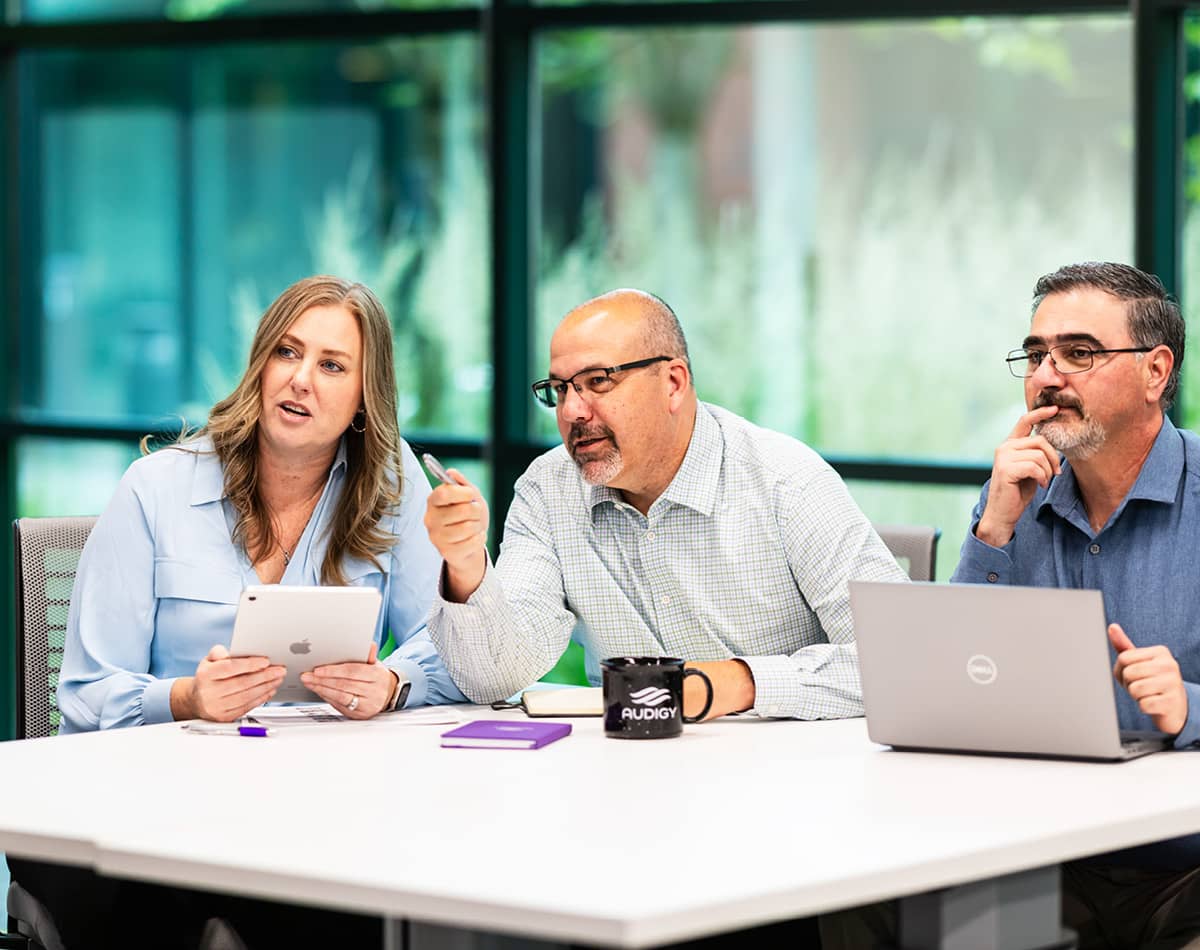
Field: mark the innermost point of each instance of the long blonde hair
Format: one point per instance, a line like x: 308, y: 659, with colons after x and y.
x: 374, y: 472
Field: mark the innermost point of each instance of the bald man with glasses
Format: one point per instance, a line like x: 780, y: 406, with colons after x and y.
x: 661, y: 526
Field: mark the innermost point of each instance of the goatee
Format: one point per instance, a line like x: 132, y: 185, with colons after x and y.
x: 598, y: 469
x: 1075, y: 439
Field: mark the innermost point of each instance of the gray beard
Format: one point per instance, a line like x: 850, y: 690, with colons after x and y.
x: 1079, y: 440
x: 603, y: 470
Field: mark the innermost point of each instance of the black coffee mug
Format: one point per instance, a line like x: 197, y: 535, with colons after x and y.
x: 643, y: 697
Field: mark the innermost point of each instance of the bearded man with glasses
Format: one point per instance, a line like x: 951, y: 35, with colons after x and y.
x: 1096, y: 488
x: 662, y: 526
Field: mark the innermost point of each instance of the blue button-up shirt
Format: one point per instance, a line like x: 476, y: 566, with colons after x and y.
x: 1144, y: 560
x: 160, y: 578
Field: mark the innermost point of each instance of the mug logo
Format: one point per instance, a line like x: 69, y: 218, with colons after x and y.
x: 651, y: 696
x: 981, y: 669
x: 650, y: 699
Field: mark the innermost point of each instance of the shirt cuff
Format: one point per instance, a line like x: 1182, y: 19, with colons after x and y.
x: 486, y: 584
x: 411, y: 671
x: 772, y: 676
x: 1190, y: 733
x: 487, y: 599
x: 156, y: 701
x: 981, y: 563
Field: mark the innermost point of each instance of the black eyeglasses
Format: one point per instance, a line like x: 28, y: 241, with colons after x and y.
x: 1067, y: 358
x: 595, y: 381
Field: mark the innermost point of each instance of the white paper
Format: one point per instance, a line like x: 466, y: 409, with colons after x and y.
x: 318, y: 714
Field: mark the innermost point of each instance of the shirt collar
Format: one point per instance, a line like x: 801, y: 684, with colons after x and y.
x: 1157, y: 481
x: 208, y: 480
x: 695, y: 483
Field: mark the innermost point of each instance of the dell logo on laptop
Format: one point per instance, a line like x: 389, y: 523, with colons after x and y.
x: 981, y: 669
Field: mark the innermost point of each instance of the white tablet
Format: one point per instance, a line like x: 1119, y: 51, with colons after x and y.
x: 304, y: 627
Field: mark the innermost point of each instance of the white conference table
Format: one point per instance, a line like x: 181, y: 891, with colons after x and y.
x: 589, y: 840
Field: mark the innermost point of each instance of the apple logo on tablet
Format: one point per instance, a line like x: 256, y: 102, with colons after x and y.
x: 300, y: 647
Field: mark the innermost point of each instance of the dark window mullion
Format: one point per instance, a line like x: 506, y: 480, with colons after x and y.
x: 510, y: 130
x: 133, y: 33
x: 735, y: 12
x: 1158, y: 142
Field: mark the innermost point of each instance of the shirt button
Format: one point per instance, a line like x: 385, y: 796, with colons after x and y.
x: 993, y: 577
x: 1095, y: 549
x: 649, y: 535
x: 666, y: 601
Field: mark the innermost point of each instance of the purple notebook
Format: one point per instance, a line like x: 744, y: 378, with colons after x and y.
x: 504, y: 734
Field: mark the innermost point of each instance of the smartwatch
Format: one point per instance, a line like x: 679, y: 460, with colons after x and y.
x: 399, y: 693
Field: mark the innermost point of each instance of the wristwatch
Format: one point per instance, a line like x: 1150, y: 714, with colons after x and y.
x: 399, y: 693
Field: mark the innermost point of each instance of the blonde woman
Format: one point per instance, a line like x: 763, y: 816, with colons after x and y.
x: 299, y: 477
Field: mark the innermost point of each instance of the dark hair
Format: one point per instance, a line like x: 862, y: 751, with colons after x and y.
x: 1152, y: 314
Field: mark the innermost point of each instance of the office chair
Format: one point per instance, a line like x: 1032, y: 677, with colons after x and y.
x: 914, y: 546
x: 46, y: 555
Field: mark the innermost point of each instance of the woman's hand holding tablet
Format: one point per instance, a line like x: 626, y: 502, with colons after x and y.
x: 225, y: 687
x: 356, y: 690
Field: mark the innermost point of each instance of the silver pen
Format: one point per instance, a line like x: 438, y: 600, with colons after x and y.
x: 230, y: 729
x: 437, y: 469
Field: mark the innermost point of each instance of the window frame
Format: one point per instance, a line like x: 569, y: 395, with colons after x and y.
x: 509, y: 29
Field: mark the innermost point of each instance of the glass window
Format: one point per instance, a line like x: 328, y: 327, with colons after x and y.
x: 947, y: 507
x: 60, y: 477
x: 575, y: 3
x: 52, y: 10
x: 849, y: 219
x: 1189, y: 395
x: 181, y: 191
x: 477, y: 471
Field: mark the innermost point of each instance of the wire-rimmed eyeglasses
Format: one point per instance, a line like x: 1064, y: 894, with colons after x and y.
x: 595, y: 380
x: 1067, y: 358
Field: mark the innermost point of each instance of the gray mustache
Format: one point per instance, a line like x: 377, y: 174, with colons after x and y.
x: 1056, y: 399
x: 577, y: 435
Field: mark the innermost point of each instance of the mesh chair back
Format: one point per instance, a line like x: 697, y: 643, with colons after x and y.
x: 47, y: 554
x: 914, y: 546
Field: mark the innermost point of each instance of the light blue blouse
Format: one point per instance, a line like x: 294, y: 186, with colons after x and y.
x: 160, y: 577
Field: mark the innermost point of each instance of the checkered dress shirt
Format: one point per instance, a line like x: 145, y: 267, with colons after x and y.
x: 746, y: 554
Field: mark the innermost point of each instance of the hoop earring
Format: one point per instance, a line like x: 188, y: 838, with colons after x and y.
x: 363, y: 413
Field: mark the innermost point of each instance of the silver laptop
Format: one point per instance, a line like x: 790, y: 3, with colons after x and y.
x: 994, y: 669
